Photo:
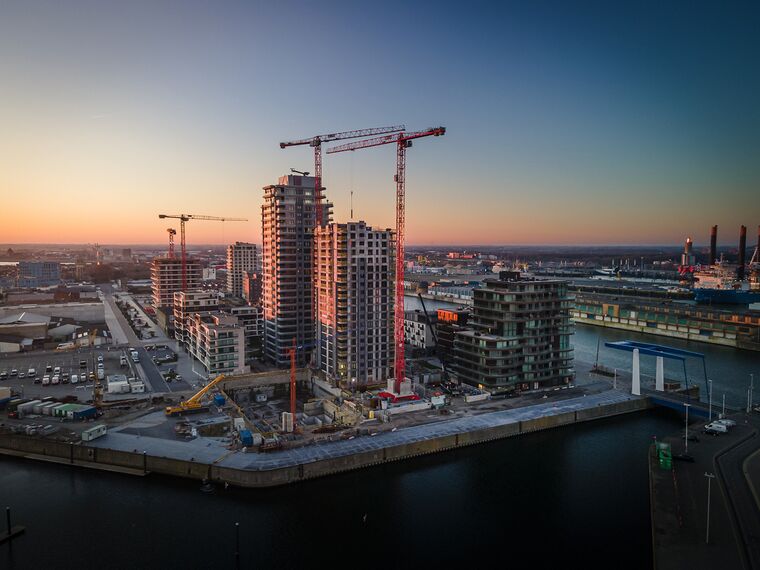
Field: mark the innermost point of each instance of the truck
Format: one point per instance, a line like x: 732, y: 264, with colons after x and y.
x: 101, y: 374
x: 135, y: 356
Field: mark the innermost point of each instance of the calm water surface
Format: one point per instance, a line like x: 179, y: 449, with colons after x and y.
x: 578, y: 493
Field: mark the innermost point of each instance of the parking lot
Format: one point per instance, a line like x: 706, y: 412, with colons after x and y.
x: 76, y: 370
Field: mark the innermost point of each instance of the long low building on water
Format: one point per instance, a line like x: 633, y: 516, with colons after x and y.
x: 739, y: 328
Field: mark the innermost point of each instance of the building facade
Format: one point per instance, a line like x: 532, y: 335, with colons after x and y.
x: 38, y: 273
x: 520, y: 337
x: 188, y: 303
x: 355, y: 267
x: 251, y: 318
x: 242, y: 257
x: 288, y: 217
x: 217, y: 342
x: 166, y: 279
x: 449, y: 322
x: 252, y: 287
x: 417, y: 330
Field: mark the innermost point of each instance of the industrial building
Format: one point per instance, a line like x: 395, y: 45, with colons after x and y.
x: 242, y: 258
x: 288, y: 217
x: 166, y: 279
x: 217, y: 341
x: 520, y: 338
x: 355, y: 292
x: 189, y: 303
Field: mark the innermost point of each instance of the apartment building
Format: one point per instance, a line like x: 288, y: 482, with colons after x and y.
x: 520, y: 337
x: 166, y: 279
x: 417, y: 330
x: 288, y: 217
x: 355, y: 267
x: 188, y: 303
x: 242, y: 257
x: 217, y: 342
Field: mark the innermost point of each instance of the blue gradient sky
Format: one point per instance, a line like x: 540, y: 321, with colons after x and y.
x: 590, y: 122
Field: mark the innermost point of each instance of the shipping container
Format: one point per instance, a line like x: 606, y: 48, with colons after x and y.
x: 84, y: 413
x: 47, y: 409
x: 26, y: 408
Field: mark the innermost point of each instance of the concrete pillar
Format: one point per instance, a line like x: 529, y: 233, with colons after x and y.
x: 635, y: 375
x: 660, y: 379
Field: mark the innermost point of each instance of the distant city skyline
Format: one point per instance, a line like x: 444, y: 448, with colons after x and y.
x: 625, y: 123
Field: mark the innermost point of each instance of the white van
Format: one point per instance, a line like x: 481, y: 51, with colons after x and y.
x: 74, y: 378
x: 716, y: 428
x: 46, y: 380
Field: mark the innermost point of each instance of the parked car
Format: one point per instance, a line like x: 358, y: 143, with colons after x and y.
x: 3, y: 375
x: 56, y: 379
x: 82, y: 364
x: 57, y: 370
x: 31, y: 372
x: 46, y: 380
x: 714, y: 428
x: 48, y: 369
x: 100, y: 358
x: 14, y: 372
x: 38, y: 380
x: 22, y: 374
x: 74, y: 379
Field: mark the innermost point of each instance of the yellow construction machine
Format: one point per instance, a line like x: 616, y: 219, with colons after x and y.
x: 193, y: 404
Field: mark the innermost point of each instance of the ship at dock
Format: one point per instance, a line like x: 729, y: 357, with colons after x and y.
x: 723, y: 283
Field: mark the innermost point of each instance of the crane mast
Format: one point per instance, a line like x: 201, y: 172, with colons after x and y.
x: 402, y: 141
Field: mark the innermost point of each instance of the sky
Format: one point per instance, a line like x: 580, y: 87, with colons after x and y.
x: 567, y: 122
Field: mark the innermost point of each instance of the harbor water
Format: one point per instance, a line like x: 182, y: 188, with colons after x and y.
x: 576, y: 496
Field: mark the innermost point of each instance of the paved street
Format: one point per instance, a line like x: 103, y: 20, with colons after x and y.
x: 679, y: 501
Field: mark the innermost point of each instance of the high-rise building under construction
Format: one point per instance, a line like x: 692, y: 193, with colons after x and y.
x: 355, y: 294
x: 288, y: 217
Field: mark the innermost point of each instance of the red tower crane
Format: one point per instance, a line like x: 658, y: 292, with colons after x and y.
x: 185, y: 218
x: 292, y: 352
x: 402, y: 141
x: 172, y: 232
x: 316, y: 143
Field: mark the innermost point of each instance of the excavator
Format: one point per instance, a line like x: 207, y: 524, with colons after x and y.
x: 193, y: 404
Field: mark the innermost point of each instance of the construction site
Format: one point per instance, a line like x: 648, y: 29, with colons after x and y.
x: 337, y: 392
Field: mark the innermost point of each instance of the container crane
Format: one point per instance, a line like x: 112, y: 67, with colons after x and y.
x: 185, y: 218
x: 316, y: 143
x: 402, y: 141
x: 193, y: 403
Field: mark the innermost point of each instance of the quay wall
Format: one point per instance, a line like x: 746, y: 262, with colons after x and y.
x: 138, y: 463
x: 672, y: 331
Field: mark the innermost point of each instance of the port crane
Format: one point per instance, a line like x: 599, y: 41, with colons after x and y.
x: 402, y: 142
x: 183, y: 250
x: 316, y: 143
x: 193, y: 403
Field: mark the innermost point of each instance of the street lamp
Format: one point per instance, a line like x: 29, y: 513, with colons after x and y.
x: 710, y: 477
x: 686, y: 438
x: 709, y: 390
